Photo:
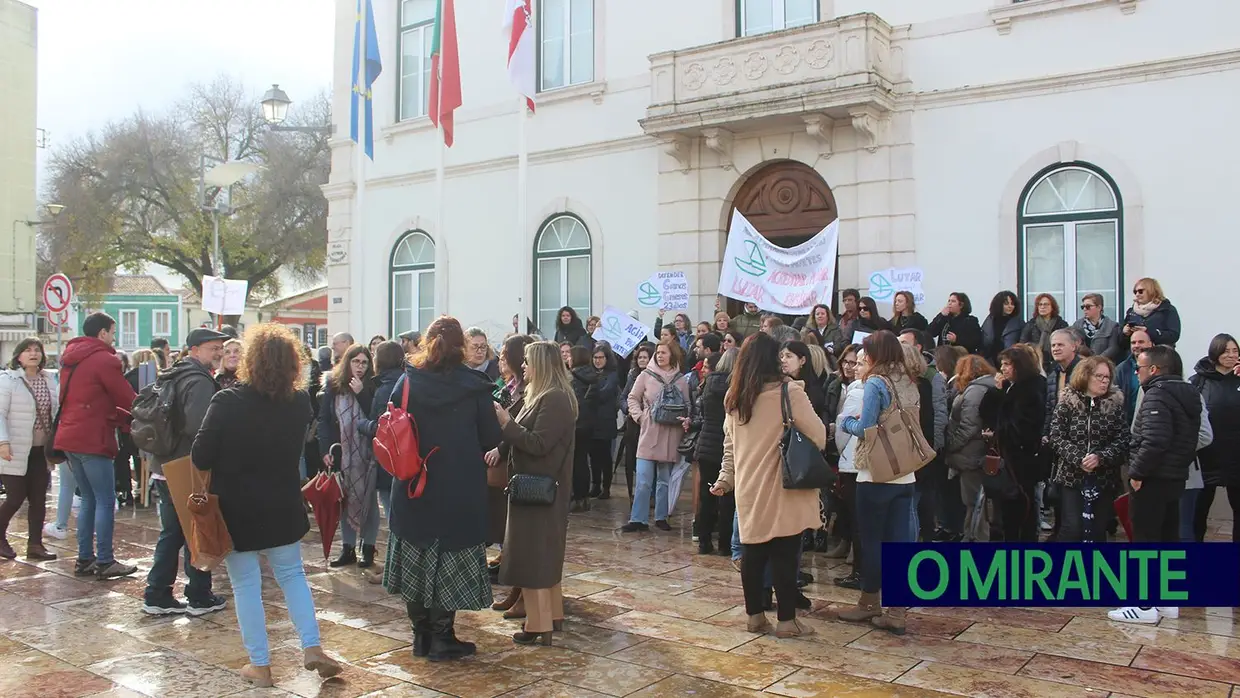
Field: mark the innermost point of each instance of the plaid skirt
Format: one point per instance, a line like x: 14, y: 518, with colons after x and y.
x: 452, y: 581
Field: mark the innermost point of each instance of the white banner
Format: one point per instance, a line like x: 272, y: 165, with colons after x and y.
x: 622, y: 332
x: 885, y: 283
x: 782, y: 280
x: 667, y: 290
x: 223, y: 296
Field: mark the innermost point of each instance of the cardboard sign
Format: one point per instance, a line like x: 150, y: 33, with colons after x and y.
x: 782, y: 280
x: 666, y: 290
x: 622, y: 332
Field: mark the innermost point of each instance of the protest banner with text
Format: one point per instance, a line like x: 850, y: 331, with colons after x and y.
x: 782, y: 280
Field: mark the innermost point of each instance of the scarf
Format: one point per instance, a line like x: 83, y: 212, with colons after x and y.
x: 226, y: 379
x: 357, y: 477
x: 1089, y: 328
x: 1046, y: 326
x: 1145, y: 309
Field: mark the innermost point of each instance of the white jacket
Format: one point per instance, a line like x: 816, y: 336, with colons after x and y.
x: 845, y: 442
x: 17, y: 409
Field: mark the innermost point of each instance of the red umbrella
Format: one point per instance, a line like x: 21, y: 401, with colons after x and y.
x: 324, y: 495
x: 1121, y: 512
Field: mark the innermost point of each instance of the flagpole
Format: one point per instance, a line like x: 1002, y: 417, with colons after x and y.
x: 523, y: 249
x: 356, y: 277
x: 441, y: 247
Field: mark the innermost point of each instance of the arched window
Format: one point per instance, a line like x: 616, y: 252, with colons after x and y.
x: 1071, y: 238
x: 561, y: 269
x: 413, y: 282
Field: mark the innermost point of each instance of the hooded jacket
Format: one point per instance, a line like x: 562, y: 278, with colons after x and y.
x: 1083, y: 425
x: 1220, y: 461
x: 1164, y: 434
x: 572, y: 333
x: 194, y: 387
x: 99, y: 398
x: 18, y: 416
x: 454, y: 414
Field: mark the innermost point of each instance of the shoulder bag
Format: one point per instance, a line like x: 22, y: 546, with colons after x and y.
x: 211, y: 540
x: 532, y: 490
x: 51, y: 454
x: 896, y: 446
x: 997, y: 478
x: 803, y: 465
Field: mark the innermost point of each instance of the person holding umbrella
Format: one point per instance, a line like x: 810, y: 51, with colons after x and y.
x: 251, y: 441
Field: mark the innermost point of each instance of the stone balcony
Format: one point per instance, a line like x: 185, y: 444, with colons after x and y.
x: 842, y: 69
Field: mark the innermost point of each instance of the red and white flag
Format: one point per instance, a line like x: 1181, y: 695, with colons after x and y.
x: 518, y: 21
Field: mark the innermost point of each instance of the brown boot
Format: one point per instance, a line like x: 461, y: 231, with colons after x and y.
x: 508, y: 601
x: 517, y: 610
x: 315, y: 659
x: 758, y: 624
x: 260, y: 676
x: 867, y: 607
x: 892, y: 620
x: 35, y: 552
x: 792, y: 628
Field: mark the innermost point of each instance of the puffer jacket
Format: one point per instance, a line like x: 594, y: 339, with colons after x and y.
x: 17, y: 416
x: 1220, y: 461
x: 585, y: 382
x: 1010, y: 335
x: 606, y: 405
x: 711, y: 414
x: 1164, y: 434
x: 966, y: 449
x: 1083, y: 425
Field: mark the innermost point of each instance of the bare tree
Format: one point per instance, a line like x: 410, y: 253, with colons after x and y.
x: 131, y: 194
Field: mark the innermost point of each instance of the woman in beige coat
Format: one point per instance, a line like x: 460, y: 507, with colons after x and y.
x: 771, y: 518
x: 540, y: 442
x: 657, y: 445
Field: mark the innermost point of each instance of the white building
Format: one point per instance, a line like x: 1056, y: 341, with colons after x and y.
x: 1033, y: 146
x: 18, y: 54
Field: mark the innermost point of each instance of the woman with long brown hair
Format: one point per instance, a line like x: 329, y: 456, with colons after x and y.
x: 345, y: 404
x: 436, y: 557
x: 904, y: 315
x: 657, y: 443
x: 512, y: 397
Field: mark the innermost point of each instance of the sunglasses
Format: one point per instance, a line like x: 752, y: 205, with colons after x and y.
x: 1088, y: 307
x: 1137, y: 291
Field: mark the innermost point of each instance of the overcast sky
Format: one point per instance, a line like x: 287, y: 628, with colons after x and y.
x: 101, y: 60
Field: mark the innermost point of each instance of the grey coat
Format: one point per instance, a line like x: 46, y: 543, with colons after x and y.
x: 540, y: 443
x: 966, y: 449
x: 194, y: 389
x: 1106, y: 339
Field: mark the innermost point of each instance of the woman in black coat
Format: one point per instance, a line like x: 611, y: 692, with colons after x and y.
x: 714, y: 515
x: 1151, y: 310
x: 585, y: 382
x: 568, y: 326
x: 389, y: 367
x: 1019, y: 418
x: 251, y: 441
x: 957, y: 325
x: 868, y: 319
x: 1002, y: 327
x: 1044, y: 323
x: 1215, y: 376
x: 606, y: 409
x: 904, y: 315
x: 628, y: 443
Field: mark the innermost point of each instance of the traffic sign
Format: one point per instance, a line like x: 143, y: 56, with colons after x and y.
x: 57, y: 292
x: 58, y: 318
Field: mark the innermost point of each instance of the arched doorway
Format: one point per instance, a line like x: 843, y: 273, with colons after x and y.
x: 788, y: 202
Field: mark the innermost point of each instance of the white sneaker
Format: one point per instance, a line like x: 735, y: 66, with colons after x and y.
x: 1134, y: 614
x: 1171, y: 612
x: 77, y: 502
x: 55, y: 531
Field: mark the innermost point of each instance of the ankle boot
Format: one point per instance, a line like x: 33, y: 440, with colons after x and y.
x: 867, y: 607
x: 315, y: 659
x: 348, y: 556
x: 368, y: 557
x: 892, y: 620
x: 420, y: 619
x: 444, y: 644
x: 35, y: 552
x: 508, y: 601
x: 758, y: 624
x: 260, y: 676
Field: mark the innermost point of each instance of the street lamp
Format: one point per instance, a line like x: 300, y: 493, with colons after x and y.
x: 220, y: 177
x: 53, y: 210
x: 275, y: 104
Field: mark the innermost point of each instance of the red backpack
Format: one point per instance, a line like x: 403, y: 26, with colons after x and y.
x: 397, y: 445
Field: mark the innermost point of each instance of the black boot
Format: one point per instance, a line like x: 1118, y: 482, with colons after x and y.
x: 444, y: 644
x: 368, y: 557
x: 347, y: 557
x: 420, y: 619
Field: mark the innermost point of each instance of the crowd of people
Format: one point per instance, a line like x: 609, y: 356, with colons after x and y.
x: 1036, y: 428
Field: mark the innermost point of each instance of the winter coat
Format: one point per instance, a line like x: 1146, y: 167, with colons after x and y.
x: 1163, y: 325
x: 628, y: 390
x: 194, y: 386
x: 1053, y: 375
x: 830, y: 337
x: 382, y: 386
x: 329, y: 421
x: 752, y: 466
x: 99, y: 398
x: 844, y: 441
x: 490, y: 369
x: 606, y: 405
x: 454, y: 414
x: 833, y: 389
x: 585, y: 380
x: 1220, y: 461
x: 17, y: 416
x: 746, y: 324
x: 916, y: 321
x: 1106, y: 338
x: 497, y: 497
x: 871, y: 325
x: 966, y: 449
x: 1033, y: 335
x: 1128, y: 384
x: 1083, y: 425
x: 968, y: 332
x: 540, y: 442
x: 991, y: 345
x: 1020, y: 418
x: 711, y: 416
x: 938, y: 399
x: 1165, y: 431
x: 657, y: 442
x: 252, y: 445
x: 573, y: 333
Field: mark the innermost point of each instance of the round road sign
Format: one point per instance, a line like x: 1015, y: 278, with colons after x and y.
x: 57, y: 292
x: 58, y: 318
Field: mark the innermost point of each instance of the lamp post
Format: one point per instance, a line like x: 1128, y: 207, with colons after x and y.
x: 275, y: 104
x: 220, y: 177
x: 53, y: 210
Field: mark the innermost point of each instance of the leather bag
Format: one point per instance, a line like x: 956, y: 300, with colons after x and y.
x: 997, y: 478
x: 802, y: 463
x: 212, y: 542
x: 896, y: 446
x: 532, y: 490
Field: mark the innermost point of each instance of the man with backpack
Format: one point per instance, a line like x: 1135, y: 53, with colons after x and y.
x: 167, y: 415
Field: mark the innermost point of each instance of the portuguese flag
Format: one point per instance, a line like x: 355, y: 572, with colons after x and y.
x: 445, y: 70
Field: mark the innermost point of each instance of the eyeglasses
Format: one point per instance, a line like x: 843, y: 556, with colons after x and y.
x: 1102, y: 377
x: 848, y: 364
x: 1088, y: 307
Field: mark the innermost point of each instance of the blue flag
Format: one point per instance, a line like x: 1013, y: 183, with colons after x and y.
x: 361, y: 93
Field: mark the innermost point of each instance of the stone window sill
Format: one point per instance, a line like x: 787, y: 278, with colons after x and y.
x: 594, y: 90
x: 1007, y: 11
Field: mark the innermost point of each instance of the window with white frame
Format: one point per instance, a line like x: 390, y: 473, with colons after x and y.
x: 129, y: 329
x: 412, y: 283
x: 565, y: 43
x: 1071, y: 238
x: 161, y: 325
x: 561, y: 270
x: 762, y: 16
x: 417, y: 25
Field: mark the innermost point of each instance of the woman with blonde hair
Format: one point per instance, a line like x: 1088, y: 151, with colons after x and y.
x: 226, y: 376
x: 251, y: 442
x: 1152, y: 311
x: 540, y: 442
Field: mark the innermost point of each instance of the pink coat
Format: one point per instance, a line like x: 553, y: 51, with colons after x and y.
x: 657, y: 442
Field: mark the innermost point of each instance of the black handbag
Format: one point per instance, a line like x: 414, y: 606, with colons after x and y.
x: 532, y: 490
x: 688, y: 443
x: 803, y: 465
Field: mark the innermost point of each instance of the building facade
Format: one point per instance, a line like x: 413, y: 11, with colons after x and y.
x: 18, y: 54
x: 143, y: 309
x: 1028, y: 145
x: 304, y: 313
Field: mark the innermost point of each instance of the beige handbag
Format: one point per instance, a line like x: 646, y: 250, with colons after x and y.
x: 895, y: 447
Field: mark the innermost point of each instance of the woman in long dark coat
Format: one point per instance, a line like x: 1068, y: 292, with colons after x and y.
x: 511, y: 357
x: 541, y: 440
x: 437, y: 558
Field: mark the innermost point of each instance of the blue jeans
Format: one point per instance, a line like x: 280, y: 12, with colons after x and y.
x: 96, y: 479
x: 1188, y: 508
x: 370, y: 526
x: 64, y: 502
x: 885, y: 514
x: 736, y: 535
x: 646, y: 478
x: 170, y: 547
x: 247, y: 585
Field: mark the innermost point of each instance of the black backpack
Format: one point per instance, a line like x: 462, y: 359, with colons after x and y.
x: 157, y: 419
